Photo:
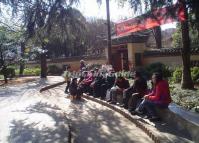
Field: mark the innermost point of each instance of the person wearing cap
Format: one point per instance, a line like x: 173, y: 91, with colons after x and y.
x: 137, y: 90
x: 120, y: 85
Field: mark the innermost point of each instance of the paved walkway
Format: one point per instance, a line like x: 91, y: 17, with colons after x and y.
x: 29, y: 116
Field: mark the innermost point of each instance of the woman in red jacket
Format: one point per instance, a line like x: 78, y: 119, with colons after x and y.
x: 159, y: 97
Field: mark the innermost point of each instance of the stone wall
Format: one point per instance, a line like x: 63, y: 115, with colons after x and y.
x: 171, y: 57
x: 74, y: 62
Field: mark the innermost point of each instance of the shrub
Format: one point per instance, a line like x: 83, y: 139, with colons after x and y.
x: 93, y: 66
x: 32, y: 71
x: 185, y: 98
x: 54, y: 70
x: 195, y: 74
x: 157, y: 67
x: 9, y: 71
x: 177, y: 75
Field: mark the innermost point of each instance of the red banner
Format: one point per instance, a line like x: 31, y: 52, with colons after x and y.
x: 150, y: 20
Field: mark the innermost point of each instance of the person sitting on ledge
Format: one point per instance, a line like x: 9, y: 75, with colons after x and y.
x: 109, y: 83
x: 137, y: 91
x: 159, y: 97
x: 120, y: 85
x: 97, y: 83
x: 84, y: 85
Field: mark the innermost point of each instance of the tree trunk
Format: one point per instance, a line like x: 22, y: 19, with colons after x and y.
x: 158, y: 37
x: 109, y: 32
x: 5, y: 74
x: 186, y: 82
x: 22, y: 65
x: 43, y: 64
x: 5, y: 78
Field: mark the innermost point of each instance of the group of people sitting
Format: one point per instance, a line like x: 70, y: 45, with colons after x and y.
x: 137, y: 98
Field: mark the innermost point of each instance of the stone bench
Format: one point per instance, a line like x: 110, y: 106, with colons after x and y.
x: 183, y: 120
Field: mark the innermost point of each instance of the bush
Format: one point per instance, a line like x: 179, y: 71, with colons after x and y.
x: 195, y: 74
x: 93, y: 66
x: 177, y: 75
x: 185, y: 98
x: 9, y: 71
x: 54, y: 70
x: 32, y: 71
x: 157, y: 67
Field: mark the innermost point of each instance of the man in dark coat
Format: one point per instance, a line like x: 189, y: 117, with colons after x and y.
x: 137, y: 91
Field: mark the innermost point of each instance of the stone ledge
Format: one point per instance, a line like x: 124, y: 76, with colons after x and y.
x: 184, y: 120
x: 51, y: 86
x: 135, y: 119
x: 154, y: 134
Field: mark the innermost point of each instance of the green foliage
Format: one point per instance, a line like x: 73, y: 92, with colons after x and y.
x: 188, y: 99
x: 177, y: 37
x: 195, y: 74
x: 177, y: 75
x: 54, y: 70
x: 9, y: 72
x: 30, y: 71
x: 157, y: 67
x: 93, y: 66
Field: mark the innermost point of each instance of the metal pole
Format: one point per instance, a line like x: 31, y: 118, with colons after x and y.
x: 109, y: 32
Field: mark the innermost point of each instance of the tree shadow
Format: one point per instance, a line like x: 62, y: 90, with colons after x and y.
x: 92, y: 124
x: 170, y: 129
x: 23, y: 131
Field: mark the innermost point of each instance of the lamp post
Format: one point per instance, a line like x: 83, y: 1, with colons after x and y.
x: 109, y: 32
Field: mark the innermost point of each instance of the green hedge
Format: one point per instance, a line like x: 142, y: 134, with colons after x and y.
x: 54, y: 70
x: 157, y: 67
x: 177, y: 75
x: 188, y: 99
x: 30, y: 71
x: 195, y: 74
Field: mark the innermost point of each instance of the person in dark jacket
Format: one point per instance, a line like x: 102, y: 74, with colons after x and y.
x: 73, y: 88
x: 159, y: 97
x: 120, y: 85
x: 108, y: 83
x: 136, y: 91
x: 97, y: 83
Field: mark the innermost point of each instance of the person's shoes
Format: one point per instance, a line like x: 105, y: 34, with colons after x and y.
x: 146, y: 117
x: 131, y: 110
x: 137, y: 112
x: 109, y: 100
x: 114, y: 103
x: 154, y: 119
x: 102, y: 98
x: 122, y: 105
x: 125, y: 107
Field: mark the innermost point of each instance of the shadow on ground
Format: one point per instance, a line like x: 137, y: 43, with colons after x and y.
x: 95, y: 124
x: 23, y: 131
